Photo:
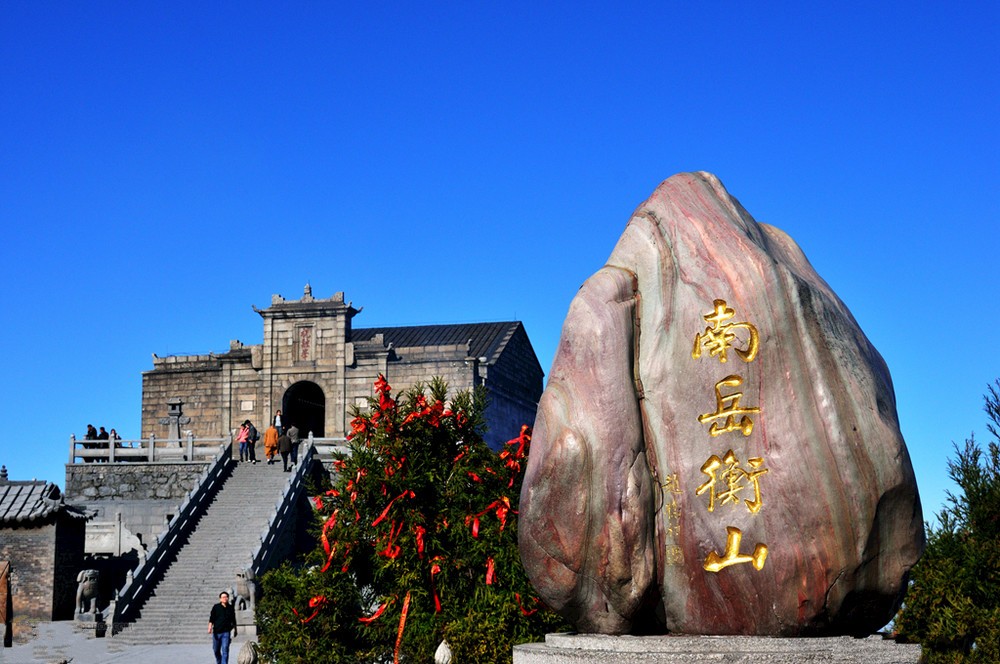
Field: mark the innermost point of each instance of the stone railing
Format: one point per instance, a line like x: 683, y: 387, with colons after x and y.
x: 152, y: 563
x: 325, y: 447
x: 273, y: 538
x: 148, y: 450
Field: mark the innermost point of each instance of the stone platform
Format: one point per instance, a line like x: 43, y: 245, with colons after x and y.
x: 600, y: 649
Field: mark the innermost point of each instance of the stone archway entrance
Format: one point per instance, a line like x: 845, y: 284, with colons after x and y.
x: 304, y: 405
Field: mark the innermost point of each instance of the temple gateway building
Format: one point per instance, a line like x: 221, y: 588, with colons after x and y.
x: 314, y: 365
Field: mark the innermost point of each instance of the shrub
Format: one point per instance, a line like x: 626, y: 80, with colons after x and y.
x: 952, y: 607
x: 417, y: 543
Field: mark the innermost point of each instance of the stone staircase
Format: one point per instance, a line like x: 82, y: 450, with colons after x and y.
x: 219, y: 544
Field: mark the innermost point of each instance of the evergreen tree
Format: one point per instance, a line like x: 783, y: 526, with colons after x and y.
x: 417, y: 543
x: 953, y: 605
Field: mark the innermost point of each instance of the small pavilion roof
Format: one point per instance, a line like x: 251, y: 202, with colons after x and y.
x: 32, y: 502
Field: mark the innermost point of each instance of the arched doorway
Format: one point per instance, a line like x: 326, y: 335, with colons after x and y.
x: 304, y: 406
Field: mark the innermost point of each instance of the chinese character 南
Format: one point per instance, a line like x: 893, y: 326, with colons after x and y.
x: 720, y: 336
x: 732, y: 479
x: 728, y: 406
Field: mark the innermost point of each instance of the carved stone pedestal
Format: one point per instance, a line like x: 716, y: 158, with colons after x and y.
x: 246, y: 624
x: 92, y: 622
x: 599, y: 649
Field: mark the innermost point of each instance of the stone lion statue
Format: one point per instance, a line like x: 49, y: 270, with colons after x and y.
x: 86, y: 591
x: 246, y: 590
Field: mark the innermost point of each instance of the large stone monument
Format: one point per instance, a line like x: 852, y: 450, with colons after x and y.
x: 717, y: 451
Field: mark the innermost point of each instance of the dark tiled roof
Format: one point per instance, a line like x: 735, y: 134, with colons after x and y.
x: 487, y: 339
x: 27, y: 502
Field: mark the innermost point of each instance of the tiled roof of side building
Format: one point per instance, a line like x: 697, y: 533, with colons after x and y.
x: 487, y: 338
x: 30, y: 502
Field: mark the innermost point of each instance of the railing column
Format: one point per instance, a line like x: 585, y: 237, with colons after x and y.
x: 72, y: 448
x: 190, y: 450
x: 111, y: 450
x: 152, y: 447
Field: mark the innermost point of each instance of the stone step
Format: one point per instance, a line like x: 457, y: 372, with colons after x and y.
x: 221, y: 543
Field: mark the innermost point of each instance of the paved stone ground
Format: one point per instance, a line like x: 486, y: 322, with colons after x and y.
x: 600, y: 649
x: 57, y: 642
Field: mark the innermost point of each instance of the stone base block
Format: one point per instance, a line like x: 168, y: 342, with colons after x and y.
x: 600, y: 649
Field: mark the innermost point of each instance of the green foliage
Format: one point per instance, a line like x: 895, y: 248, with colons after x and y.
x: 288, y: 635
x: 421, y: 520
x: 953, y: 605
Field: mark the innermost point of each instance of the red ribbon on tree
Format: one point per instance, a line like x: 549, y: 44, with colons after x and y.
x: 375, y: 616
x: 420, y: 532
x: 402, y: 626
x: 330, y: 550
x: 316, y: 604
x: 392, y: 550
x: 435, y: 570
x: 502, y: 507
x: 382, y: 388
x: 490, y: 569
x: 524, y: 611
x: 385, y: 512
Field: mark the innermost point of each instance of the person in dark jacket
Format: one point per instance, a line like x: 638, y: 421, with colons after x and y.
x: 221, y: 622
x: 293, y: 434
x: 284, y: 447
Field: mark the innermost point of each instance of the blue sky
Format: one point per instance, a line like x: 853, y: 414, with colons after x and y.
x: 165, y: 166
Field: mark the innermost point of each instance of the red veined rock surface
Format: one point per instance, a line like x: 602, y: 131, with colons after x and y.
x: 717, y: 450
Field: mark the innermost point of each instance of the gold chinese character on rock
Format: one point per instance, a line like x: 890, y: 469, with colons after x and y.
x: 732, y: 556
x: 672, y: 512
x: 674, y: 555
x: 727, y: 407
x: 733, y: 478
x: 672, y: 484
x: 720, y: 336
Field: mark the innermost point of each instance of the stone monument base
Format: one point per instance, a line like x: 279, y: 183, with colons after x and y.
x: 600, y: 649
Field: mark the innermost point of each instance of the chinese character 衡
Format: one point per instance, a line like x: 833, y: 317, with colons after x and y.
x: 733, y: 478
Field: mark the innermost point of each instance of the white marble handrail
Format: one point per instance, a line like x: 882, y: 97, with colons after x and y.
x: 144, y: 450
x: 140, y: 582
x: 263, y: 554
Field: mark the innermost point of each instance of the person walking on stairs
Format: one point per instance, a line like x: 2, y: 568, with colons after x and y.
x: 243, y: 439
x: 284, y: 447
x: 222, y: 622
x: 252, y: 438
x: 293, y: 433
x: 271, y: 443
